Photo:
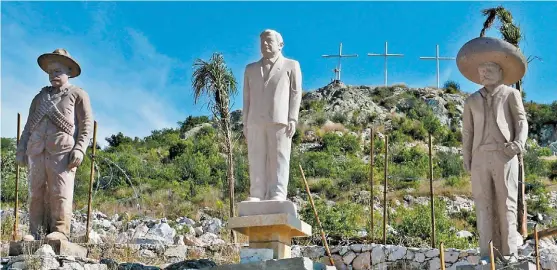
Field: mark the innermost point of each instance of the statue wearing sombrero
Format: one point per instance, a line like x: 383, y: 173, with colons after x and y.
x: 53, y: 143
x: 494, y: 131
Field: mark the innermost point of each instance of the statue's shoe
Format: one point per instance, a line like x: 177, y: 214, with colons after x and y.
x: 28, y: 237
x: 253, y: 199
x: 56, y: 236
x: 277, y: 198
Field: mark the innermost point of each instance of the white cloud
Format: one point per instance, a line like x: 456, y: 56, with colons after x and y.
x: 125, y: 92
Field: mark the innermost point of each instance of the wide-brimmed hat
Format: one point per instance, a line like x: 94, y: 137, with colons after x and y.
x: 62, y: 56
x: 488, y: 49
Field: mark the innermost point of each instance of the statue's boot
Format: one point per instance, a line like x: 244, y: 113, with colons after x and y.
x: 56, y: 236
x: 253, y: 199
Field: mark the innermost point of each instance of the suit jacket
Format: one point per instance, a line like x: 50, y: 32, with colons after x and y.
x: 76, y: 109
x: 275, y: 100
x: 509, y: 114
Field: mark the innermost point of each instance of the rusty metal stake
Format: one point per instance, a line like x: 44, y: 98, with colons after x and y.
x: 385, y: 190
x: 91, y: 178
x: 442, y: 255
x: 491, y: 257
x: 323, y: 238
x: 16, y: 206
x: 537, y: 241
x: 431, y: 193
x: 371, y: 202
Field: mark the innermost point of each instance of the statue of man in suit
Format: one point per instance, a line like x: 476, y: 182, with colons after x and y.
x: 271, y: 100
x: 494, y: 131
x: 53, y: 143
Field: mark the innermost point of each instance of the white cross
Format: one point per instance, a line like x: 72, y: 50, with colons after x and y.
x: 385, y: 55
x: 437, y: 58
x: 339, y: 55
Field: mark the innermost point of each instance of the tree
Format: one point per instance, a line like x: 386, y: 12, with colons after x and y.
x: 115, y: 140
x: 215, y: 80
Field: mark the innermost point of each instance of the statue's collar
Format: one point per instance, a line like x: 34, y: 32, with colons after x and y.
x: 486, y: 93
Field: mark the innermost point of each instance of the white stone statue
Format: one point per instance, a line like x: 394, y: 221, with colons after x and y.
x: 53, y: 144
x: 272, y: 95
x: 494, y: 131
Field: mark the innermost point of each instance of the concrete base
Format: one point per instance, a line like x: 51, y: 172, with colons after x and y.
x: 271, y: 231
x: 266, y: 208
x: 249, y: 255
x: 513, y: 266
x: 300, y: 263
x: 60, y: 247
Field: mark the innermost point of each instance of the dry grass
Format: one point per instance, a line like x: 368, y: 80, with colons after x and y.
x: 332, y: 127
x: 439, y: 189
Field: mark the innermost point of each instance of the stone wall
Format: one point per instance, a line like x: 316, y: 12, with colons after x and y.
x: 359, y: 256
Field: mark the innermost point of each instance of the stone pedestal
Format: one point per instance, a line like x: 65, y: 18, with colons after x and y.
x: 268, y: 228
x: 60, y: 247
x: 267, y: 208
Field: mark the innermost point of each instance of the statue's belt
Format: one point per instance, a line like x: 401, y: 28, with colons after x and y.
x: 50, y: 110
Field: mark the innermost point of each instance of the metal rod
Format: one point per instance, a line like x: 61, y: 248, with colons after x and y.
x: 16, y: 206
x: 522, y: 213
x: 371, y: 164
x: 339, y: 56
x: 437, y: 58
x: 385, y: 55
x: 442, y: 255
x: 431, y: 194
x: 491, y: 257
x: 537, y: 241
x: 323, y: 238
x: 385, y: 190
x: 91, y: 178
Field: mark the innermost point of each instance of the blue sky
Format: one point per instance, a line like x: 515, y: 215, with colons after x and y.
x: 137, y: 57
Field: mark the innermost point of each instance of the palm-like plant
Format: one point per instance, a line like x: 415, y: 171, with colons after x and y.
x: 215, y: 80
x: 510, y: 32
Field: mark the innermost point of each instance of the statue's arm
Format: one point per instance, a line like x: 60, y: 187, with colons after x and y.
x: 295, y: 92
x: 22, y: 147
x: 246, y: 94
x: 467, y: 135
x: 520, y: 121
x: 84, y: 115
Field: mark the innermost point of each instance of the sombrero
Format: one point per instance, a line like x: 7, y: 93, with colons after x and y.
x: 62, y: 56
x: 488, y: 49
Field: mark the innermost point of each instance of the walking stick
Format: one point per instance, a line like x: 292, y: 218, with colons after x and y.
x: 317, y: 218
x: 522, y: 214
x: 16, y: 218
x: 91, y: 177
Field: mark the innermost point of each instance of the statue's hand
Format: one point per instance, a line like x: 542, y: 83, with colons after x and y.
x: 21, y: 158
x: 76, y: 157
x: 512, y: 148
x: 291, y: 129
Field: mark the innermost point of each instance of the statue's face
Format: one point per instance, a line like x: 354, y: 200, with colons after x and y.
x: 270, y: 46
x: 57, y: 74
x: 490, y: 73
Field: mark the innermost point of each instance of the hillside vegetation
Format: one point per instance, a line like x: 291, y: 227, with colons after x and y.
x: 176, y: 171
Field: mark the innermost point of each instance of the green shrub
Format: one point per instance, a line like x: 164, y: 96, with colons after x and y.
x: 413, y: 227
x: 341, y: 219
x: 339, y: 117
x: 553, y: 171
x: 455, y: 181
